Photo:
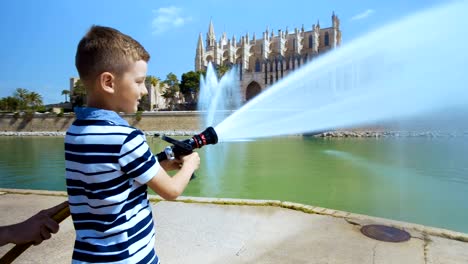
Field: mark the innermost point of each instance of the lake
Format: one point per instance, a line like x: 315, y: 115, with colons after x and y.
x: 422, y: 180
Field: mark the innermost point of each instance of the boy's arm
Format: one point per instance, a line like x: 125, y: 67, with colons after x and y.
x: 169, y: 187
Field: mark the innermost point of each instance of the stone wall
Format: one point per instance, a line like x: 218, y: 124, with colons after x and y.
x: 158, y: 121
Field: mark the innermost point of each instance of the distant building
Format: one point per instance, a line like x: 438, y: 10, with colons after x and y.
x: 262, y: 62
x: 155, y: 99
x: 59, y: 107
x: 73, y: 81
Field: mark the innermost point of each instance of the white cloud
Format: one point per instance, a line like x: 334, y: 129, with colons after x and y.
x: 168, y: 18
x: 363, y: 15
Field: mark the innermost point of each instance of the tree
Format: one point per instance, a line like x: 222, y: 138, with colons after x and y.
x: 172, y: 90
x: 22, y: 99
x: 9, y: 103
x: 152, y: 80
x: 78, y: 95
x: 144, y: 103
x: 66, y: 93
x: 222, y: 69
x: 190, y: 85
x: 22, y: 95
x: 34, y: 100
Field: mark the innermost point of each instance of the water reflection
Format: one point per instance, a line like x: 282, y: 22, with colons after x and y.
x: 421, y: 180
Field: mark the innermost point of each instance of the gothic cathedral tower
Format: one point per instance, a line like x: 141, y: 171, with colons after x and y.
x: 262, y: 62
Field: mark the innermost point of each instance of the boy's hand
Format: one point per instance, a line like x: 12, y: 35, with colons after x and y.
x: 169, y: 165
x: 191, y: 161
x: 169, y: 187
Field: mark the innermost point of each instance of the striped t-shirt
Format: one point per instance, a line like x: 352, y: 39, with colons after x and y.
x: 108, y: 164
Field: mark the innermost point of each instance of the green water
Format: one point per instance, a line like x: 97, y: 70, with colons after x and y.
x: 419, y: 180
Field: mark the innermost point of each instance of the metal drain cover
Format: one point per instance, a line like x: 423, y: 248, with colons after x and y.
x: 385, y: 233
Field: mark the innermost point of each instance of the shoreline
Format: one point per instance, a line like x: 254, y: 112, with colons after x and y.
x: 299, y: 207
x: 330, y: 134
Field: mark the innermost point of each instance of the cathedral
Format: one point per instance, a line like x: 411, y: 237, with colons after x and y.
x: 263, y: 61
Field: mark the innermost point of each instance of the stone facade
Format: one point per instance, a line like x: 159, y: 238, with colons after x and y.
x: 155, y: 99
x: 262, y: 62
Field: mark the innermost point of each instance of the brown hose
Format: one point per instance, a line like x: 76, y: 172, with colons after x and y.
x: 17, y: 250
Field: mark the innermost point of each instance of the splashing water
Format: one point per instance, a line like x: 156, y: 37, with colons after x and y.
x: 415, y: 66
x: 218, y: 98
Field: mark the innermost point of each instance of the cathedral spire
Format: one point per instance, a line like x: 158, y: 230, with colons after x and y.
x: 200, y: 43
x: 211, y: 28
x: 210, y: 36
x: 335, y: 21
x: 200, y: 54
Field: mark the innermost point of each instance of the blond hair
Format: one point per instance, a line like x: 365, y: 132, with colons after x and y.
x: 104, y: 49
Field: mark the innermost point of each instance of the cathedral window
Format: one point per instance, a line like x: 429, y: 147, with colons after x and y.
x: 258, y: 68
x: 311, y: 42
x: 240, y: 72
x: 327, y: 39
x: 282, y: 68
x: 276, y: 68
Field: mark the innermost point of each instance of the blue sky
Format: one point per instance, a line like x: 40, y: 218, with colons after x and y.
x: 39, y: 38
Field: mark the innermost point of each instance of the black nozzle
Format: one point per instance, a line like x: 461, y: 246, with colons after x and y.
x: 185, y: 147
x: 207, y: 137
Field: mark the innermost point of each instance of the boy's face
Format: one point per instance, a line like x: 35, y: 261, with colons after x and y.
x: 130, y: 87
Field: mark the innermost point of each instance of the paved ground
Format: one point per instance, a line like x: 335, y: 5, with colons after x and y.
x: 202, y: 230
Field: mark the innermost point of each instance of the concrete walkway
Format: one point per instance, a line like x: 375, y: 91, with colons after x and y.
x: 201, y: 230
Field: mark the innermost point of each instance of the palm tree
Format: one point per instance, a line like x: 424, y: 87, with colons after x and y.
x: 34, y: 100
x: 22, y: 95
x: 172, y: 90
x: 154, y: 81
x: 66, y: 93
x: 78, y: 95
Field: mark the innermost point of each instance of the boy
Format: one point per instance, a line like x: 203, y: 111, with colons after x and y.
x: 108, y: 163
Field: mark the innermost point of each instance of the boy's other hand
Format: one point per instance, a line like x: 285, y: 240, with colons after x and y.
x: 38, y: 227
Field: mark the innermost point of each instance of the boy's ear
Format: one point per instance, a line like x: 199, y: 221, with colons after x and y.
x: 107, y: 82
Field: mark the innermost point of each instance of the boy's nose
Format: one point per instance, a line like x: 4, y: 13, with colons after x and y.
x: 144, y: 91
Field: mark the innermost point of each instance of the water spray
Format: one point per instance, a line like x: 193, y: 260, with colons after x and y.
x: 185, y: 147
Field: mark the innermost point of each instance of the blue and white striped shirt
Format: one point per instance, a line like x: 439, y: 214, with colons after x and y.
x: 108, y: 164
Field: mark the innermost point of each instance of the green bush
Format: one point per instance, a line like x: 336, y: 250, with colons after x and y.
x: 138, y: 115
